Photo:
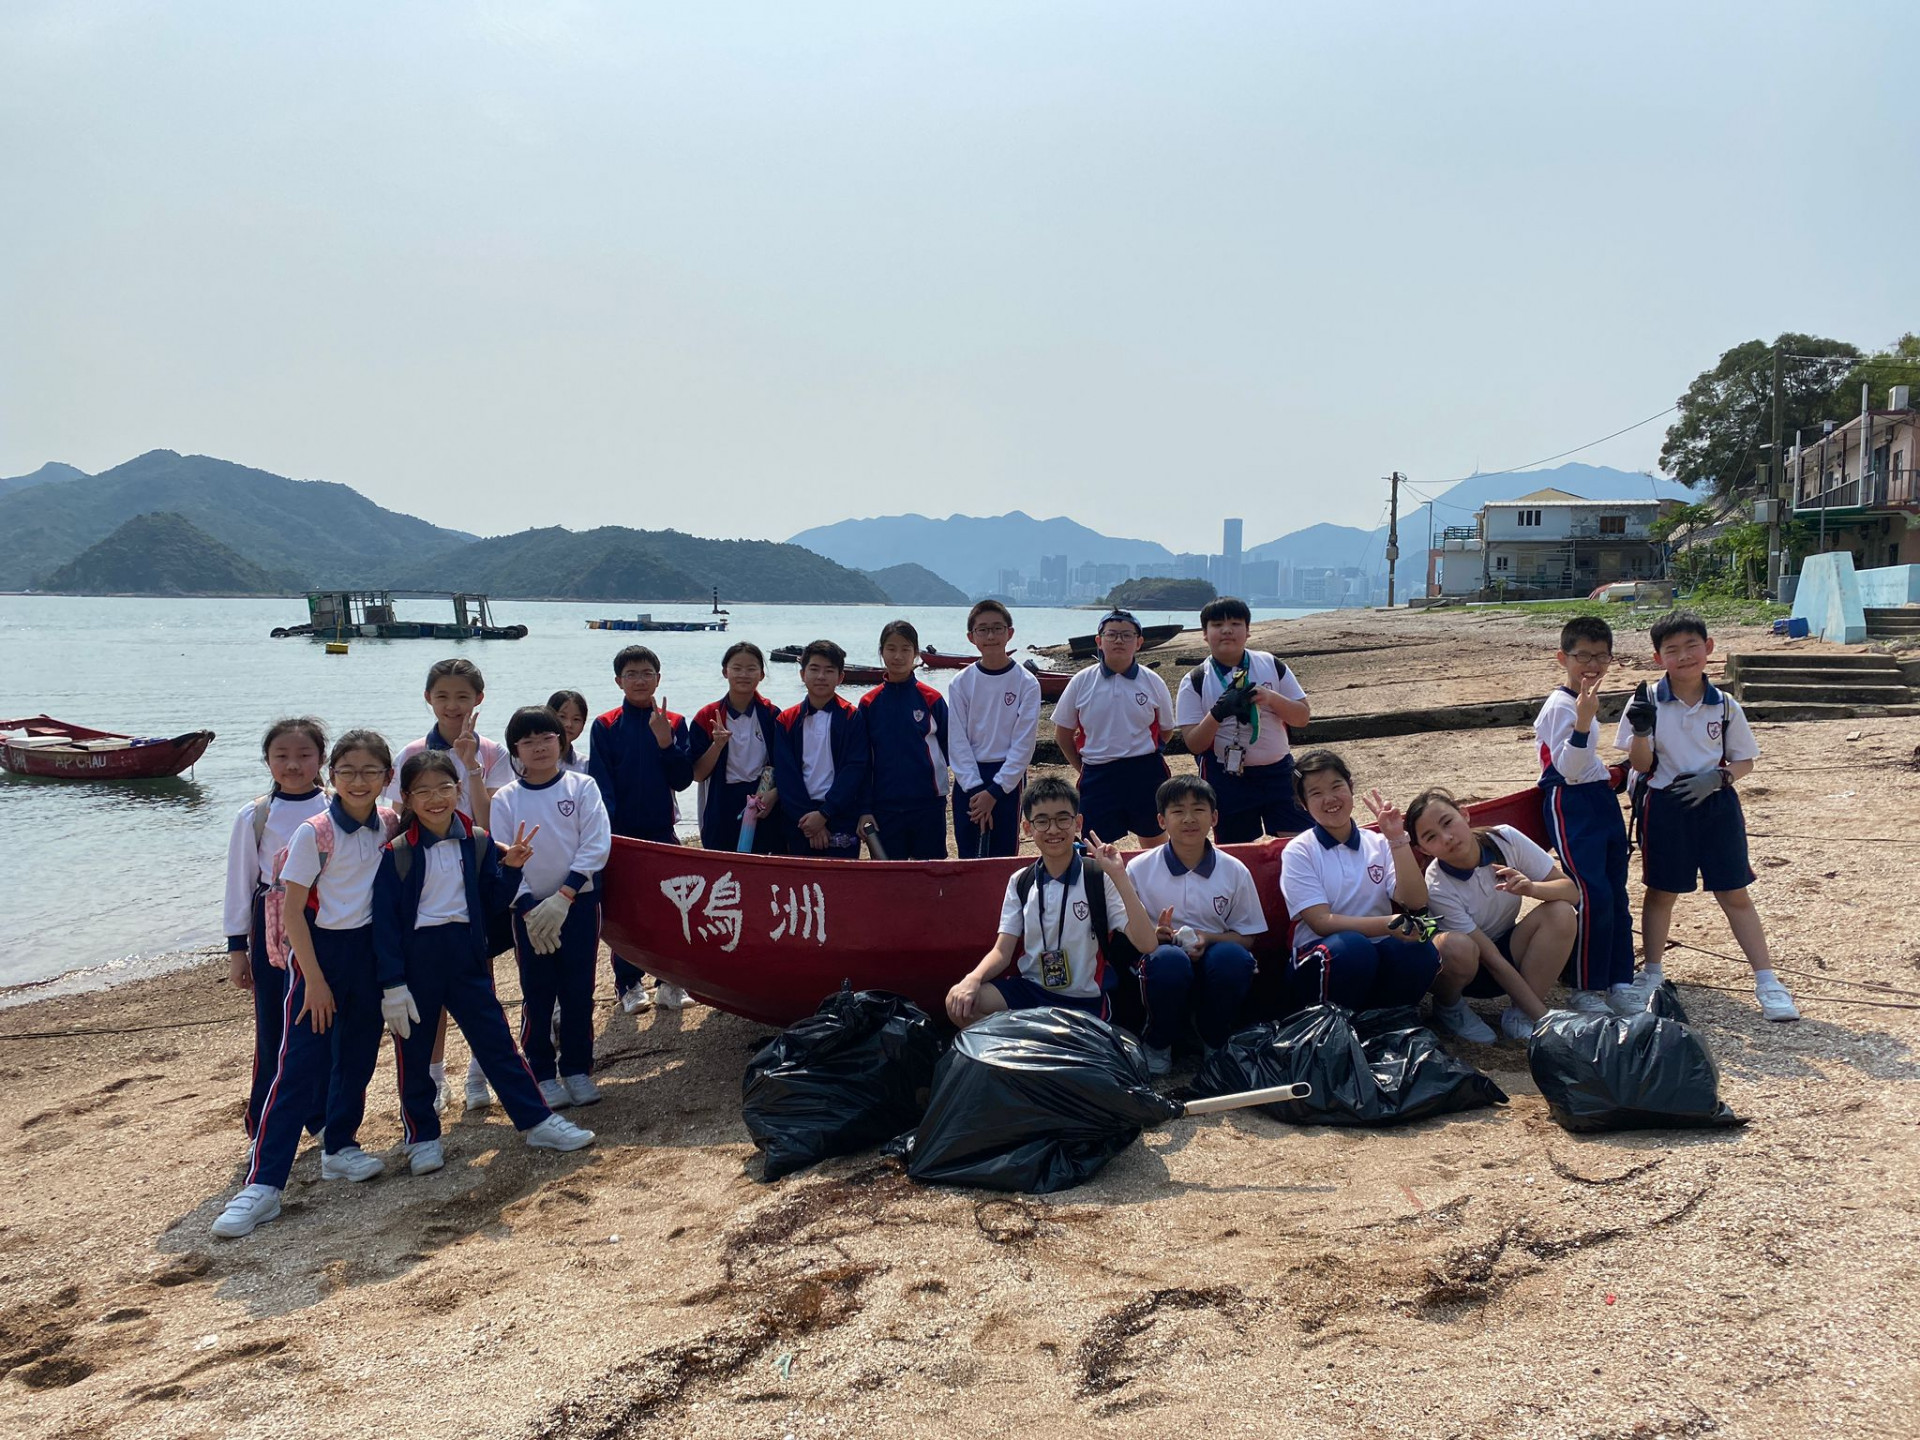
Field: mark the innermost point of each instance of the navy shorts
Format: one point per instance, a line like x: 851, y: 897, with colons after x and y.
x: 1684, y: 846
x: 1483, y: 986
x: 1258, y: 800
x: 1020, y: 993
x: 1116, y: 796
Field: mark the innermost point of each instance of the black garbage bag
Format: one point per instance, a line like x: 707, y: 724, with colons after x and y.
x: 1034, y: 1101
x: 1665, y: 1001
x: 1379, y: 1067
x: 853, y: 1074
x: 1601, y: 1072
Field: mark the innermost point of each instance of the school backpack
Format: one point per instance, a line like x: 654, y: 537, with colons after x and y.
x: 499, y: 927
x: 1096, y: 900
x: 1638, y: 784
x: 278, y: 946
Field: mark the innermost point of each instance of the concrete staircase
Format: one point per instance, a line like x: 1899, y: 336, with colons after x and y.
x: 1899, y: 624
x: 1784, y: 685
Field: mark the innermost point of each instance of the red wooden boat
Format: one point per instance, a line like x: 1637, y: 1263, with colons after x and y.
x: 770, y: 936
x: 1053, y: 683
x: 73, y: 752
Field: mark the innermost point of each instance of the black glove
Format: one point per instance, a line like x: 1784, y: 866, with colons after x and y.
x: 1235, y: 703
x: 1640, y: 711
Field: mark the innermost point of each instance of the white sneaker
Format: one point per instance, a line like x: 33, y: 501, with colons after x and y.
x: 671, y: 997
x: 555, y: 1094
x: 1460, y: 1019
x: 350, y: 1163
x: 253, y: 1206
x: 1515, y: 1025
x: 1625, y: 1000
x: 1775, y: 1002
x: 635, y: 1000
x: 1159, y: 1062
x: 425, y: 1156
x: 556, y: 1132
x: 1590, y: 1002
x: 478, y: 1096
x: 1645, y: 982
x: 581, y: 1089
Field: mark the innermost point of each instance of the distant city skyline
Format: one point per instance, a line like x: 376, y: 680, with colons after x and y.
x: 738, y: 270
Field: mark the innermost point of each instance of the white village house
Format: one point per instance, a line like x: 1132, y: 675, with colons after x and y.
x: 1550, y: 544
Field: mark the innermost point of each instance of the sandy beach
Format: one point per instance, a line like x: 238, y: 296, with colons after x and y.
x: 1482, y: 1275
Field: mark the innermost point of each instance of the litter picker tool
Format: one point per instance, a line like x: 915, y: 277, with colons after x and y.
x: 870, y: 832
x: 756, y: 807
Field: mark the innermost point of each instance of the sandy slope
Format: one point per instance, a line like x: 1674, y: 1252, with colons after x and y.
x: 1485, y: 1275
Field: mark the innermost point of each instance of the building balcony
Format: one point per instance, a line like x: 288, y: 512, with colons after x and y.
x: 1891, y: 489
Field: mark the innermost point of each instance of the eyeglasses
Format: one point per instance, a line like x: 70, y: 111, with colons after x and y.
x: 1052, y: 822
x: 989, y: 631
x: 434, y: 792
x: 360, y: 774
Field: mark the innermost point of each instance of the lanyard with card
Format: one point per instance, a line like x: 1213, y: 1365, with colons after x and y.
x: 1055, y: 973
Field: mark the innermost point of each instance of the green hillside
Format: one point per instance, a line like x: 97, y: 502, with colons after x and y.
x: 615, y: 563
x: 1161, y: 593
x: 329, y: 533
x: 911, y: 584
x: 162, y: 554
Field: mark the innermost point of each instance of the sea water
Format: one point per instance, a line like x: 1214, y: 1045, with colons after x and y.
x: 113, y: 879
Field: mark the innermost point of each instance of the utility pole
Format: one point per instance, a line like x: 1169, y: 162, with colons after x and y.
x: 1393, y: 530
x: 1776, y: 562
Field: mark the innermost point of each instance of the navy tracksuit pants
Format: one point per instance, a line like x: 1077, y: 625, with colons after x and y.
x: 1361, y: 973
x: 720, y: 821
x: 269, y: 1024
x: 1004, y: 838
x: 1586, y: 829
x: 446, y: 971
x: 913, y: 832
x: 564, y: 978
x: 315, y: 1072
x: 1212, y: 989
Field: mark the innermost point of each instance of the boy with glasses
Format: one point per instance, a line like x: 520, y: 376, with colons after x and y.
x: 993, y: 721
x: 1109, y: 724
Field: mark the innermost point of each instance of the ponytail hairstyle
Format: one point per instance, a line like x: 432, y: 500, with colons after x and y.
x: 1429, y: 798
x: 418, y: 764
x: 371, y: 741
x: 307, y: 725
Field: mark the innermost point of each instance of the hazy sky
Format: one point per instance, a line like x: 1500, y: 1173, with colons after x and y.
x: 740, y: 269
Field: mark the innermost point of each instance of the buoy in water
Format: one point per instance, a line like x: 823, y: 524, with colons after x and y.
x: 336, y: 647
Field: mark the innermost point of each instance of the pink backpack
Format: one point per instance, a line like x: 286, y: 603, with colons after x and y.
x: 278, y: 946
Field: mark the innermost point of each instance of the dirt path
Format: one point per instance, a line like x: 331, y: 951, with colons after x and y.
x: 1482, y: 1275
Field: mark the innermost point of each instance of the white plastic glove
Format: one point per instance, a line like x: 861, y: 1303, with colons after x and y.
x: 399, y: 1011
x: 543, y: 923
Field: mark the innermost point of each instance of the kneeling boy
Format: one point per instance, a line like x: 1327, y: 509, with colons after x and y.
x: 1691, y: 741
x: 1207, y: 910
x: 1059, y: 939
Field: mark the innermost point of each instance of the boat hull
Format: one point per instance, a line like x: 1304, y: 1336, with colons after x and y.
x: 769, y: 936
x: 153, y: 760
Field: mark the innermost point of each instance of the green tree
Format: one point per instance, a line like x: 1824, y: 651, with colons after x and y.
x: 1897, y: 365
x: 1727, y: 413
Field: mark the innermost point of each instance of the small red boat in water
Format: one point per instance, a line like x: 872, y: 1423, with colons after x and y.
x: 770, y: 936
x: 50, y: 747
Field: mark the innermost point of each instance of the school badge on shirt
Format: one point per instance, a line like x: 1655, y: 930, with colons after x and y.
x: 1140, y: 698
x: 566, y: 808
x: 1009, y: 699
x: 1220, y: 906
x: 1713, y: 729
x: 1376, y: 873
x: 1080, y: 911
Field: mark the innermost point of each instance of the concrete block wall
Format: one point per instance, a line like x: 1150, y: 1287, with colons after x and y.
x: 1828, y: 598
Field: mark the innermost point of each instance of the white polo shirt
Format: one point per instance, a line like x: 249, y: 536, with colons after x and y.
x: 1114, y: 715
x: 496, y: 766
x: 1690, y: 738
x: 1354, y: 877
x: 346, y: 893
x: 816, y: 748
x: 1217, y: 894
x: 1570, y: 753
x: 1192, y: 706
x: 1467, y: 900
x: 443, y: 882
x: 1056, y: 916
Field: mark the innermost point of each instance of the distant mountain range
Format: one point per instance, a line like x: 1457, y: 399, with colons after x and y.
x: 617, y: 564
x: 162, y: 554
x: 45, y: 475
x: 968, y: 551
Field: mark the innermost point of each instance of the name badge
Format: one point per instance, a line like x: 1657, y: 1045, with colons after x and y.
x: 1054, y: 971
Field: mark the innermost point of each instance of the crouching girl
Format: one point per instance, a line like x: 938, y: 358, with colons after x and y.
x: 439, y: 880
x: 1475, y: 883
x: 1342, y: 884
